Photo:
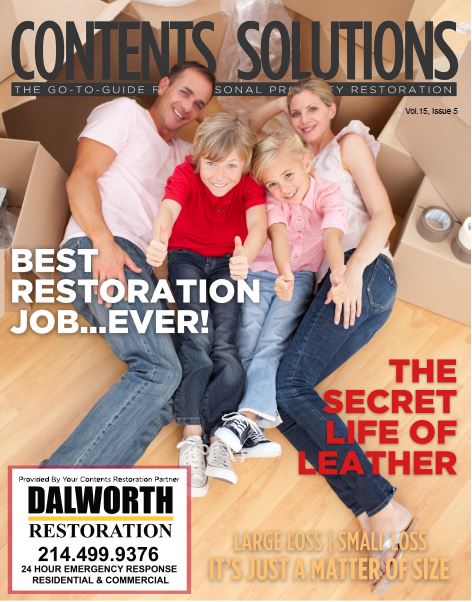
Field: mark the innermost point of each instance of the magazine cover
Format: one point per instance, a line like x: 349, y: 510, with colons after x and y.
x: 235, y: 299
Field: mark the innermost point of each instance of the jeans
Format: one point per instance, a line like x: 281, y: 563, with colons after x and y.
x: 264, y: 334
x: 129, y: 416
x: 317, y: 349
x: 213, y: 377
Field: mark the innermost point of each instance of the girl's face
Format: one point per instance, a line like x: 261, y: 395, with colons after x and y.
x: 310, y: 117
x: 288, y: 178
x: 221, y: 176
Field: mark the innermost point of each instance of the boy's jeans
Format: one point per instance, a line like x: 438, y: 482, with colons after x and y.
x: 213, y: 377
x: 317, y: 348
x: 129, y: 416
x: 264, y: 334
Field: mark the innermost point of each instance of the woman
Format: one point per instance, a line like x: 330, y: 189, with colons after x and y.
x: 327, y: 337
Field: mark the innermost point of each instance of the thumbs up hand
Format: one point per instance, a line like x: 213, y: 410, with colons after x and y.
x: 157, y: 249
x: 238, y: 263
x: 284, y: 284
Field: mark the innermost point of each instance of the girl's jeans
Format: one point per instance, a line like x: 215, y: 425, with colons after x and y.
x: 317, y: 349
x: 213, y: 377
x: 264, y: 334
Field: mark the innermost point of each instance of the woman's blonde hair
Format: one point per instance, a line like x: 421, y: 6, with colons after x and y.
x: 220, y: 134
x: 270, y: 148
x: 317, y: 86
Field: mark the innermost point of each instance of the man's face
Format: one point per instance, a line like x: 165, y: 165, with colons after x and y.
x: 181, y: 101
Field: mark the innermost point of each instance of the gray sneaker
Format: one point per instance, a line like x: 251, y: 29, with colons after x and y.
x: 219, y: 462
x: 192, y: 453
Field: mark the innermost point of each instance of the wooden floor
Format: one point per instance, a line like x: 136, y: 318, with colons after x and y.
x: 49, y: 382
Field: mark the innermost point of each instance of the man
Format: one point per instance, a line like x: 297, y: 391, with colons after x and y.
x: 124, y: 156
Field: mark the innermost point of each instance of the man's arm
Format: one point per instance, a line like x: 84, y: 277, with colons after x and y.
x: 93, y: 159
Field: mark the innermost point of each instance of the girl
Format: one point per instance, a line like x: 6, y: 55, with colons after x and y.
x: 305, y: 219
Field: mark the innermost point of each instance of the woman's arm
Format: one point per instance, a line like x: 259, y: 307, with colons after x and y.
x: 358, y: 160
x: 243, y: 255
x: 161, y: 230
x: 268, y: 110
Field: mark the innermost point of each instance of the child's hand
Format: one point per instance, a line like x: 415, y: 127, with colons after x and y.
x: 238, y: 263
x: 284, y: 284
x: 157, y: 249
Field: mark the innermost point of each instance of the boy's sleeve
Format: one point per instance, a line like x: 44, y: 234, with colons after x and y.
x: 253, y: 193
x: 275, y: 212
x: 179, y: 184
x: 330, y: 204
x: 111, y: 123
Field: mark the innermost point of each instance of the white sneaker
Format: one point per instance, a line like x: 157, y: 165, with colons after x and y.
x: 192, y: 453
x: 219, y: 462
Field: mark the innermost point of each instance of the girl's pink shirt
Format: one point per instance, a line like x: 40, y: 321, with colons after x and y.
x: 323, y: 207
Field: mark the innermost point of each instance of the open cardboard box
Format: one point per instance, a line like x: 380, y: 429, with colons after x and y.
x: 36, y: 192
x: 428, y: 273
x: 440, y: 143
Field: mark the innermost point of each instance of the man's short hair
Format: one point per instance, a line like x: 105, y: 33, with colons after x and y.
x: 179, y: 68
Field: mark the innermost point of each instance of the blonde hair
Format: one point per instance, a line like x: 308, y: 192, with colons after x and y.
x: 316, y: 86
x: 219, y: 134
x: 270, y: 148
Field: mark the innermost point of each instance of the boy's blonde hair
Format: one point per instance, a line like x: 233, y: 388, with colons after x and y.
x: 270, y: 148
x: 317, y: 86
x: 220, y: 134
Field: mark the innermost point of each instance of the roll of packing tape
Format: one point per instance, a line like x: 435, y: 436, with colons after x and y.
x: 462, y: 242
x: 435, y: 224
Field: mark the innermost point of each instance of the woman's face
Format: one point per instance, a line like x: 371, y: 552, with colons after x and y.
x: 310, y: 117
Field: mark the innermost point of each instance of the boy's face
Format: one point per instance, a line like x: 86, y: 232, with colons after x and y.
x: 288, y: 179
x: 221, y: 176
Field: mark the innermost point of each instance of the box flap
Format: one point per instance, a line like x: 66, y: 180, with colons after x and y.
x: 45, y: 207
x: 16, y: 162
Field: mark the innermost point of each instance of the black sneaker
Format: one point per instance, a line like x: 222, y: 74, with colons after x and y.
x: 236, y: 430
x: 257, y: 446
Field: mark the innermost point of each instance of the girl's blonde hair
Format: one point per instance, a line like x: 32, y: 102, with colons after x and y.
x: 218, y: 135
x: 270, y: 148
x: 317, y: 86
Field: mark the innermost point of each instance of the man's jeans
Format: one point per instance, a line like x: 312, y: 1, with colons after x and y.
x: 129, y: 416
x: 317, y: 349
x: 213, y: 377
x: 264, y: 335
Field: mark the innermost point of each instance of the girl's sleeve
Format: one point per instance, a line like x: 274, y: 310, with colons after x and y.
x: 330, y: 204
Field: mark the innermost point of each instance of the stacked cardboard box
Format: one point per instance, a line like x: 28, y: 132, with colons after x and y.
x: 439, y: 142
x: 398, y: 170
x: 428, y: 273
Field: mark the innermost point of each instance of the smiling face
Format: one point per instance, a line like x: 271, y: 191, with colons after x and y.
x: 310, y: 117
x: 288, y: 178
x: 181, y: 101
x: 221, y: 176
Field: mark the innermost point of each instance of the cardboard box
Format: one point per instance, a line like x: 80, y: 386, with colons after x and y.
x: 428, y: 273
x: 441, y: 143
x: 398, y: 170
x: 9, y: 22
x: 399, y: 11
x: 36, y: 192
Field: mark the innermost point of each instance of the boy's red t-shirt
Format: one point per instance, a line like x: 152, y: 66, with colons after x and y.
x: 208, y: 224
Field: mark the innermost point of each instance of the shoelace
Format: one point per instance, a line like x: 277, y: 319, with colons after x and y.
x: 222, y: 453
x: 194, y: 452
x: 239, y: 424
